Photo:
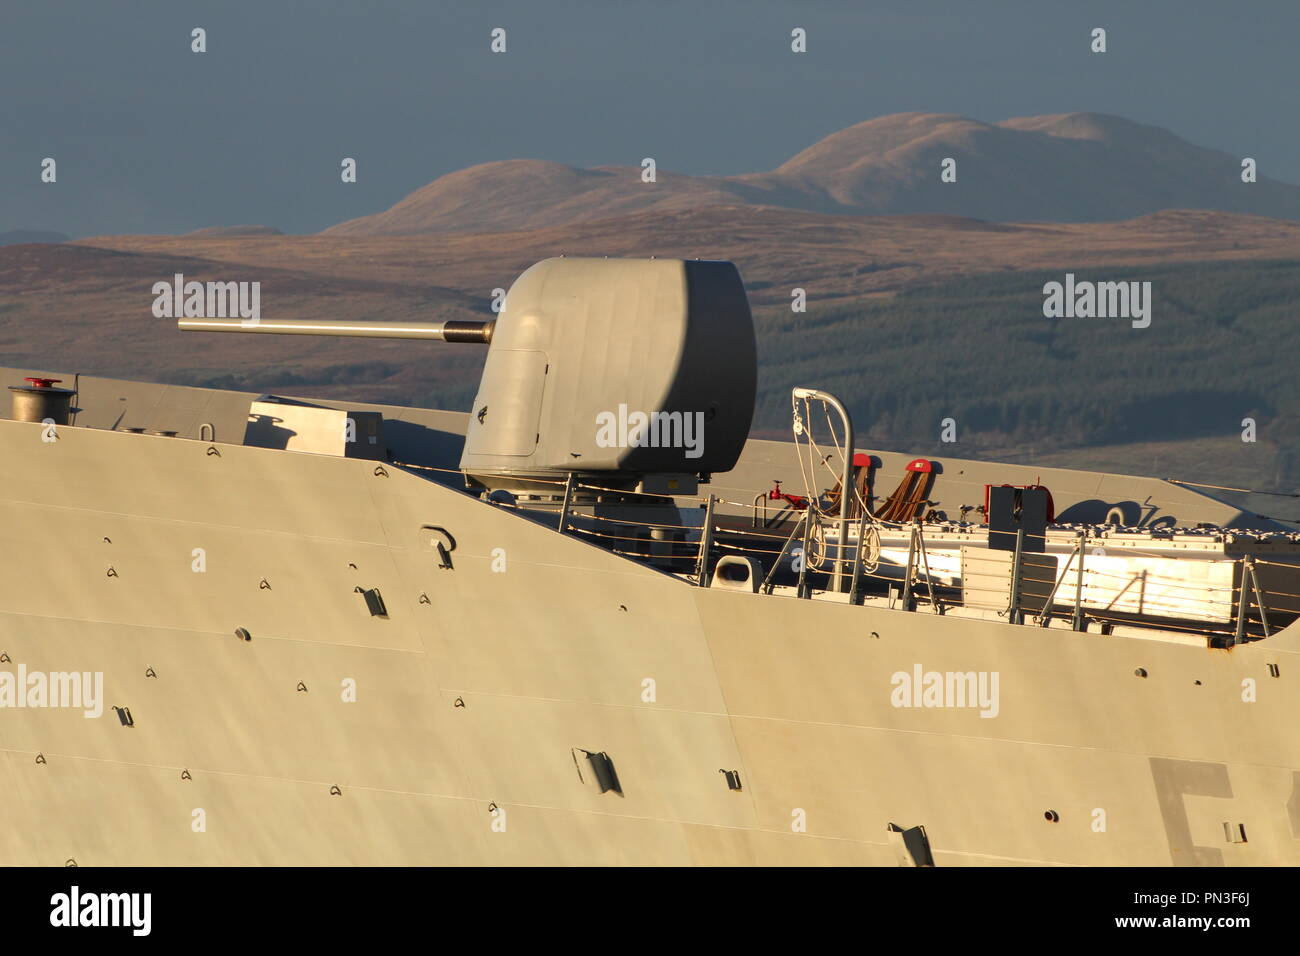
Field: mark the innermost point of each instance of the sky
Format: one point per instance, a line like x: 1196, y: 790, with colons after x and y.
x: 150, y: 137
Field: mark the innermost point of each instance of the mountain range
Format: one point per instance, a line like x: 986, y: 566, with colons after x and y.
x: 1071, y: 167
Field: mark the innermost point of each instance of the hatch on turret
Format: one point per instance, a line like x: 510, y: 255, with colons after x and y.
x: 508, y: 423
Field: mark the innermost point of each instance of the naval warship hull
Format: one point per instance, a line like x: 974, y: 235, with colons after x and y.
x: 528, y: 697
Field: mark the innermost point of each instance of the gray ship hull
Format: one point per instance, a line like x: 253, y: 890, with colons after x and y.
x: 480, y: 692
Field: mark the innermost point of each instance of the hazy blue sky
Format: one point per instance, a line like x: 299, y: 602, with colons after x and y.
x: 150, y: 137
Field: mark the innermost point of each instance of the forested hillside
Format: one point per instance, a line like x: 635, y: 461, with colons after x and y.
x: 1221, y: 347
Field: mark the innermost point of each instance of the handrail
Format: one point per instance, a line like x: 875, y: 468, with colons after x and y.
x: 706, y: 544
x: 813, y: 394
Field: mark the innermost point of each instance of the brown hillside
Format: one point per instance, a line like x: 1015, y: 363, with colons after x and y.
x: 1075, y: 167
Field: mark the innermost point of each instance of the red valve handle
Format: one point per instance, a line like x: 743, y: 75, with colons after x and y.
x: 42, y: 382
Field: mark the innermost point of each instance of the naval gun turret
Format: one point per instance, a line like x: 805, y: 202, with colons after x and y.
x: 636, y: 374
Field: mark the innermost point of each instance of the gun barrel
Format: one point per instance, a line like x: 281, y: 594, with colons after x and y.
x: 453, y: 330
